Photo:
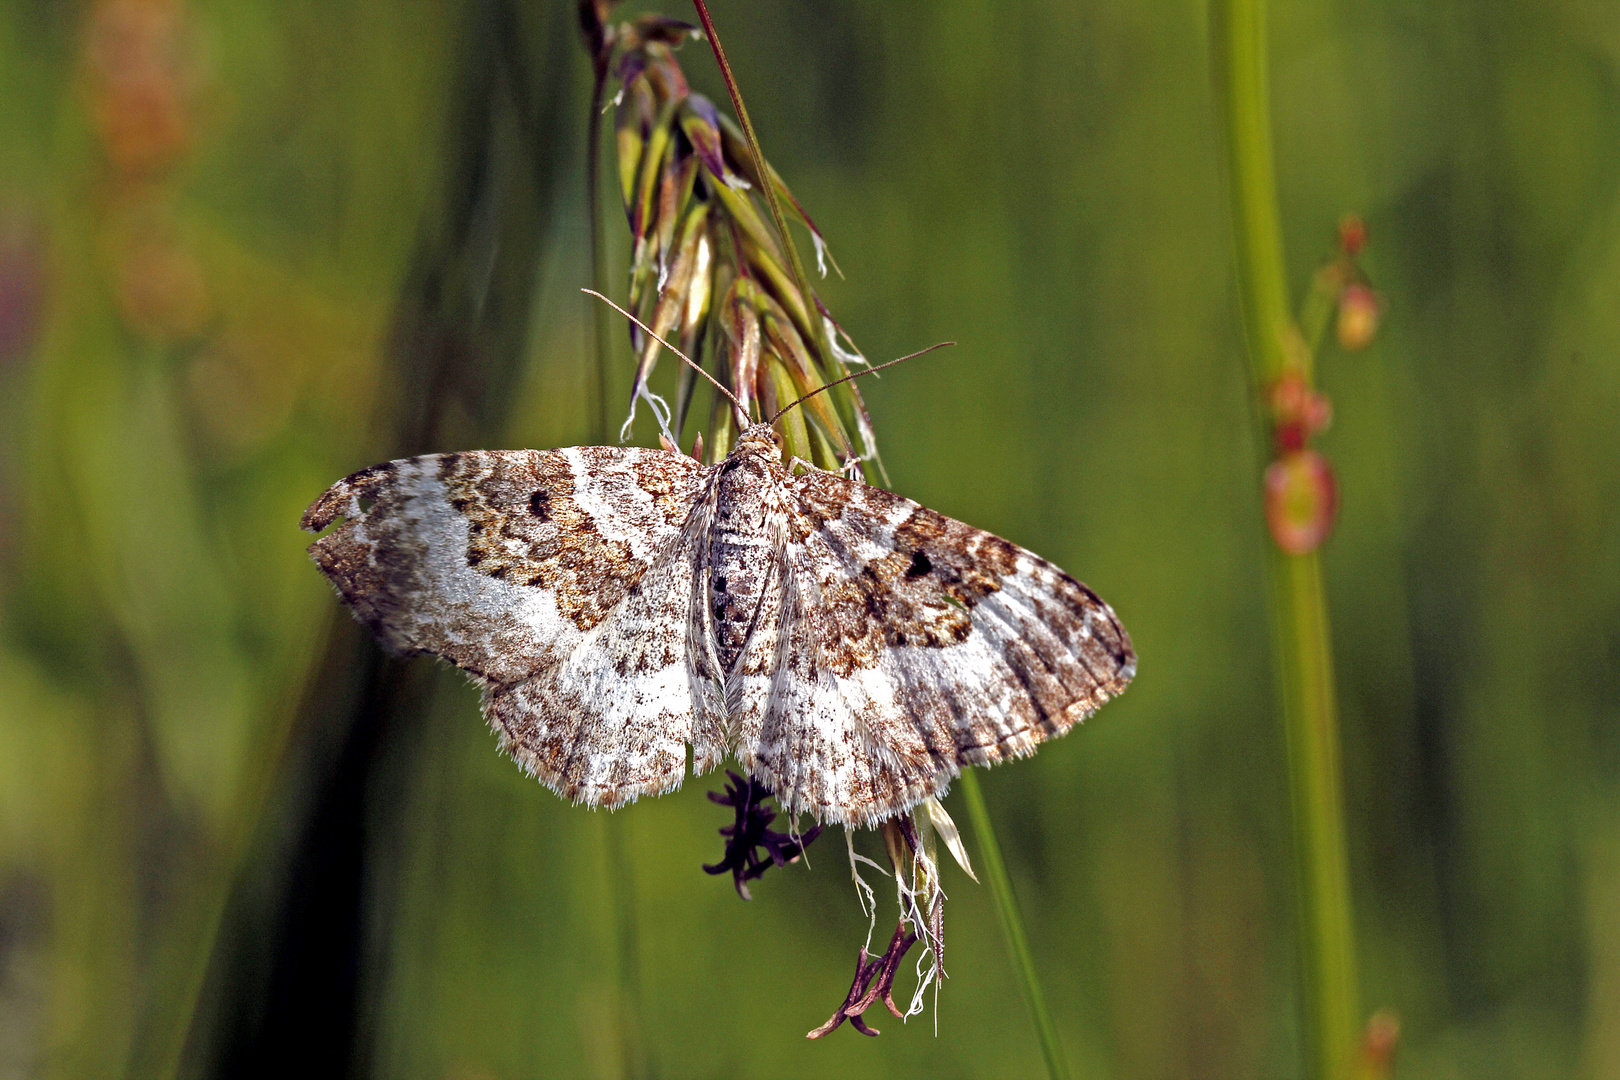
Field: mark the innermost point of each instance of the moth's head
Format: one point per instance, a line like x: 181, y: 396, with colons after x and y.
x: 759, y: 439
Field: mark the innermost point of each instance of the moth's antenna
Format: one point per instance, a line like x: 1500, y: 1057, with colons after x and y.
x: 742, y: 412
x: 856, y: 375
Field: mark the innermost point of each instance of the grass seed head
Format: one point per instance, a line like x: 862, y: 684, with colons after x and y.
x: 707, y: 264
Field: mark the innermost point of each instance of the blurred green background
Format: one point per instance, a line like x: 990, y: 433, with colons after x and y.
x: 248, y: 247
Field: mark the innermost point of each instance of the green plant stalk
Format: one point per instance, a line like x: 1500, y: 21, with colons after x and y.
x: 1310, y: 718
x: 1012, y: 927
x: 593, y: 210
x: 1320, y: 303
x: 1301, y: 642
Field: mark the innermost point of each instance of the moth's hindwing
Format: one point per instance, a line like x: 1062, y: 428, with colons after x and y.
x: 912, y: 645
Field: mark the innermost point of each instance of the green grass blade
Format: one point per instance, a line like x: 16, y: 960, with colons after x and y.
x: 1012, y: 927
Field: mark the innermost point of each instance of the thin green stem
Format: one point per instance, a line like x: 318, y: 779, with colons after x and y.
x: 593, y: 209
x: 1012, y: 927
x: 1320, y: 301
x: 762, y: 170
x: 1262, y: 278
x: 1310, y: 718
x: 1301, y: 642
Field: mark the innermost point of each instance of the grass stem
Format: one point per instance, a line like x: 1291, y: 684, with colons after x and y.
x: 1012, y: 927
x: 593, y: 210
x: 1301, y: 642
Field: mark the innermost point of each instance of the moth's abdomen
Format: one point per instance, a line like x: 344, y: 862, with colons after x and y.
x: 741, y: 552
x: 735, y: 587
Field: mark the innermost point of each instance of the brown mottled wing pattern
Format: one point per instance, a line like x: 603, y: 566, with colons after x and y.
x: 908, y: 646
x: 564, y: 580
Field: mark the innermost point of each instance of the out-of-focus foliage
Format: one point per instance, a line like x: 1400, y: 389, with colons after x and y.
x: 235, y: 239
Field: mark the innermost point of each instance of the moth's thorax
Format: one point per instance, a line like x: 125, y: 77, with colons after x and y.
x: 742, y: 544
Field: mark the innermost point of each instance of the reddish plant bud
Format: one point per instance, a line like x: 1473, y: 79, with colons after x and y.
x: 1358, y: 317
x: 1290, y: 436
x: 1297, y: 411
x: 140, y: 82
x: 1352, y: 235
x: 1301, y: 499
x: 1318, y: 412
x: 1290, y: 397
x: 1378, y: 1044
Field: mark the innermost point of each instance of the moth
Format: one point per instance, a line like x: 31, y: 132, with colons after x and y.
x: 853, y: 650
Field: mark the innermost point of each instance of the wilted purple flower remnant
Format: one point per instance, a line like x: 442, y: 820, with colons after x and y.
x: 874, y: 981
x: 751, y: 830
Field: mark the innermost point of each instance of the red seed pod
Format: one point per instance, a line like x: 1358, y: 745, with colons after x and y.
x: 1297, y: 411
x: 1352, y: 235
x: 1358, y: 317
x: 1288, y: 396
x: 1290, y: 436
x: 1301, y: 499
x: 1318, y: 412
x: 1378, y: 1043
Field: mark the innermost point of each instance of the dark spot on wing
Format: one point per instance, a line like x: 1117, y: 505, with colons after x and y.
x: 919, y: 565
x: 525, y: 526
